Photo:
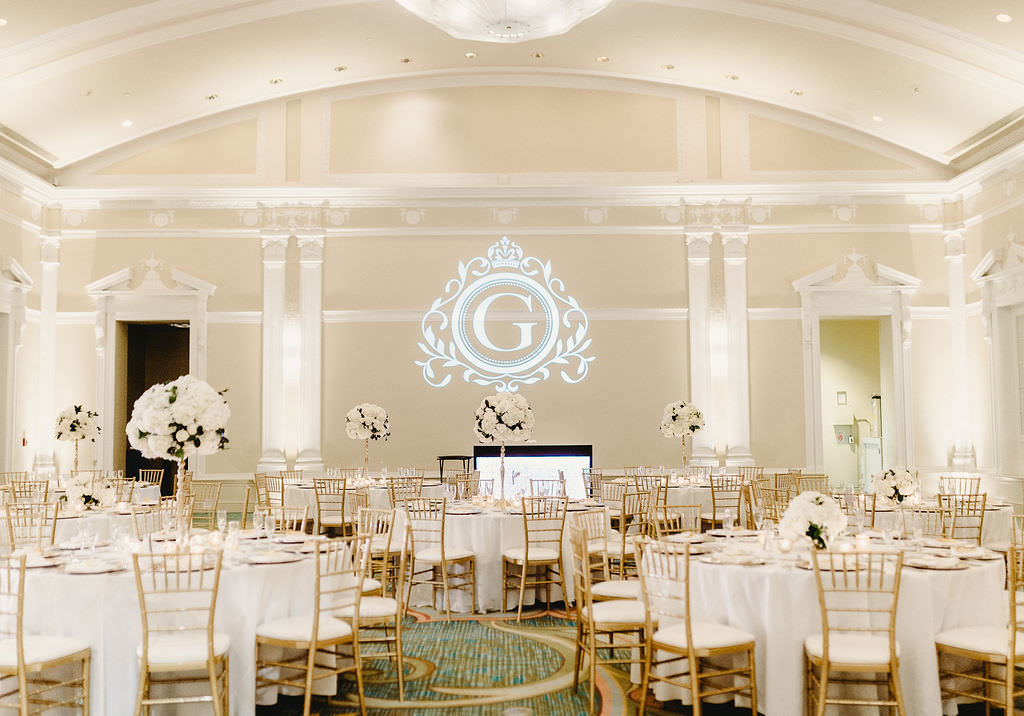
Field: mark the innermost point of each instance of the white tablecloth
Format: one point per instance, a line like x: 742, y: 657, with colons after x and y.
x: 995, y: 530
x: 103, y: 611
x: 779, y: 606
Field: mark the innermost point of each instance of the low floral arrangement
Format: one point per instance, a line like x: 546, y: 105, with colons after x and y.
x: 82, y: 489
x: 815, y: 515
x: 895, y: 484
x: 504, y: 418
x: 367, y: 421
x: 179, y: 419
x: 76, y: 423
x: 680, y: 419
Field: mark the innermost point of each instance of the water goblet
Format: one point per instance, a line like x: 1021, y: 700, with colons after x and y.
x: 222, y: 520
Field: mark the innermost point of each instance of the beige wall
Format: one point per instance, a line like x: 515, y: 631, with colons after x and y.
x: 776, y: 394
x: 233, y: 363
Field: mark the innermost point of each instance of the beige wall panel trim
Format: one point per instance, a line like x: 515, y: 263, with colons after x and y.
x: 415, y: 315
x: 19, y: 222
x: 234, y: 317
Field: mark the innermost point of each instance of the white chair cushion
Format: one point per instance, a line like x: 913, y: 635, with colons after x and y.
x: 537, y: 554
x: 39, y: 649
x: 615, y: 546
x: 332, y: 520
x: 705, y: 635
x: 432, y: 555
x: 378, y: 543
x: 300, y: 628
x: 858, y: 649
x: 987, y: 640
x: 371, y: 608
x: 709, y: 516
x: 619, y: 611
x: 187, y: 648
x: 371, y: 585
x: 617, y: 589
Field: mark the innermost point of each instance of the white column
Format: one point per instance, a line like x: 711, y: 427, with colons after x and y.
x: 698, y: 258
x: 963, y: 457
x: 811, y: 341
x: 46, y: 411
x: 311, y: 260
x: 734, y: 247
x: 273, y: 399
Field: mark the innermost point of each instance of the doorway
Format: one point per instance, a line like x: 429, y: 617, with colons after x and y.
x: 147, y: 353
x: 856, y: 390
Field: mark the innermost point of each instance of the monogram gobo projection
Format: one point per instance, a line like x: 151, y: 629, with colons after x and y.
x: 505, y: 321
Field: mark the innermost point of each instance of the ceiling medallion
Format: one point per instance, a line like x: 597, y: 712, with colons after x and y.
x: 504, y: 20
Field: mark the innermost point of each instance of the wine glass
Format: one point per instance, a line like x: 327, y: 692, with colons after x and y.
x: 258, y: 518
x: 222, y: 520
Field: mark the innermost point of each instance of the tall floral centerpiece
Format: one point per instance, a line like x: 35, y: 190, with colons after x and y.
x: 814, y: 515
x: 178, y: 420
x: 504, y: 418
x: 76, y: 423
x: 680, y: 420
x: 367, y: 422
x: 895, y: 484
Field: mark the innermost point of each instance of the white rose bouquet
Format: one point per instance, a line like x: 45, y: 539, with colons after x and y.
x: 76, y: 423
x: 503, y: 418
x: 367, y: 421
x: 179, y: 419
x: 815, y: 515
x: 84, y: 490
x: 895, y: 484
x: 680, y: 419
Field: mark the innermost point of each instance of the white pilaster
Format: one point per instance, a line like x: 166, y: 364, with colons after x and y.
x: 734, y: 247
x: 698, y: 258
x: 272, y: 457
x: 311, y: 260
x: 46, y: 411
x: 963, y: 457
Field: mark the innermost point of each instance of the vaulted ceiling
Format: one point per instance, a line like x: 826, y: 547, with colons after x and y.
x: 943, y: 78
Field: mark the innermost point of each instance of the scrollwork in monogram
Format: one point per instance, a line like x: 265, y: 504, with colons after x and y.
x: 449, y: 346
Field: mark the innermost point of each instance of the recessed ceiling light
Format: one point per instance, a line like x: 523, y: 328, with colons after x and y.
x: 668, y: 67
x: 796, y: 92
x: 126, y: 123
x: 601, y: 58
x: 276, y: 81
x: 211, y: 97
x: 878, y: 118
x: 470, y: 55
x: 3, y: 21
x: 340, y: 68
x: 1003, y: 17
x: 732, y: 77
x: 538, y: 55
x: 405, y: 60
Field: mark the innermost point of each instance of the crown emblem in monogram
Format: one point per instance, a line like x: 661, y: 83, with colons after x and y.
x: 505, y: 253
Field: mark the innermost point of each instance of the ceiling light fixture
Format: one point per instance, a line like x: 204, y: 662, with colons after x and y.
x: 732, y: 77
x: 3, y: 21
x: 405, y: 60
x: 796, y: 92
x: 601, y: 58
x: 471, y: 55
x: 340, y: 68
x: 276, y: 81
x: 211, y: 97
x: 1003, y: 17
x: 126, y: 123
x: 537, y: 55
x: 490, y: 21
x: 877, y: 118
x: 668, y: 67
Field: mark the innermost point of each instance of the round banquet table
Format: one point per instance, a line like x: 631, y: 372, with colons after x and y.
x: 303, y: 494
x: 103, y: 611
x: 995, y: 529
x: 778, y: 604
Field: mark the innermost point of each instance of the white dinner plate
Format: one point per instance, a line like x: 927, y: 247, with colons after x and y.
x: 734, y: 533
x: 691, y: 537
x: 745, y: 560
x: 291, y: 537
x: 93, y: 566
x: 273, y: 557
x: 70, y: 546
x: 464, y: 510
x: 932, y: 562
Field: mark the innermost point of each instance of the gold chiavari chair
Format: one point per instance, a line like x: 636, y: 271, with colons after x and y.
x: 124, y: 488
x: 726, y: 497
x: 147, y: 521
x: 621, y: 542
x: 291, y: 477
x: 858, y: 507
x: 402, y: 489
x: 679, y: 652
x: 543, y: 525
x: 592, y: 478
x: 632, y: 470
x: 699, y: 472
x: 6, y: 478
x: 649, y: 483
x: 921, y: 521
x: 331, y: 502
x: 6, y: 495
x: 467, y: 485
x: 286, y: 519
x: 785, y: 481
x: 966, y: 514
x: 485, y: 486
x: 618, y: 622
x: 667, y: 520
x: 275, y: 490
x: 385, y: 558
x: 776, y: 500
x: 177, y: 602
x: 959, y: 484
x: 204, y: 512
x: 260, y: 489
x: 30, y: 490
x: 812, y: 483
x: 755, y: 507
x: 751, y: 472
x: 857, y: 593
x: 611, y: 496
x: 249, y: 492
x: 338, y: 574
x: 349, y: 473
x: 547, y: 487
x: 35, y: 667
x: 595, y: 524
x: 430, y: 560
x: 994, y: 654
x: 32, y: 524
x: 187, y: 506
x: 151, y: 477
x: 416, y: 472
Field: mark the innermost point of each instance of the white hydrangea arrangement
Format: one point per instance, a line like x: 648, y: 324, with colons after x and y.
x: 179, y: 419
x: 82, y: 489
x: 504, y: 418
x: 75, y: 423
x: 680, y: 419
x: 815, y: 515
x: 367, y: 421
x: 895, y: 484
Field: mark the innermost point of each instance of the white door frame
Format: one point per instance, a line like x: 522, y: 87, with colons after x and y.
x: 15, y: 283
x: 855, y: 287
x: 148, y: 292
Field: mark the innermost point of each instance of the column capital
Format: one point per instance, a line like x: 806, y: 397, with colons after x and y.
x: 734, y: 246
x: 698, y: 246
x: 955, y: 244
x: 49, y: 246
x: 311, y: 248
x: 275, y: 245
